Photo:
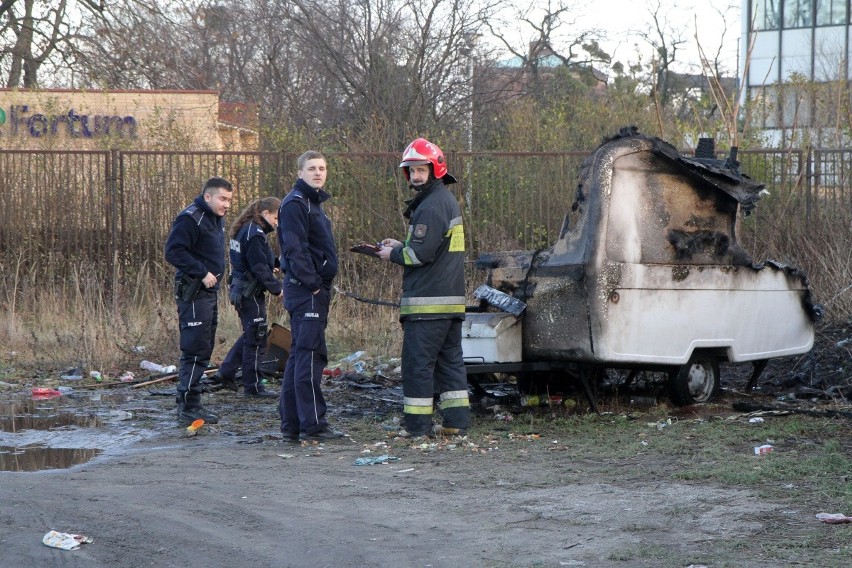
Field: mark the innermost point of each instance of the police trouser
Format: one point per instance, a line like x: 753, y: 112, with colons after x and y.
x: 432, y: 361
x: 302, y: 405
x: 250, y: 348
x: 197, y: 321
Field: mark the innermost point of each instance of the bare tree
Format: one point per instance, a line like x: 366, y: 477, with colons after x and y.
x: 666, y: 40
x: 34, y: 32
x: 400, y: 62
x: 548, y: 46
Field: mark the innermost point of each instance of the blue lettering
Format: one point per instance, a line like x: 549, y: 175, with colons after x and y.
x: 76, y: 125
x: 38, y: 125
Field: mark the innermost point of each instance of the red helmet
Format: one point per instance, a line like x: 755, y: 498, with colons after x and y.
x: 422, y: 152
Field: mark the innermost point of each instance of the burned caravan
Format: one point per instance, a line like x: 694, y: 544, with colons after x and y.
x: 648, y: 277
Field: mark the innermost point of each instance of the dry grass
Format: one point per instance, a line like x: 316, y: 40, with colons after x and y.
x: 76, y: 323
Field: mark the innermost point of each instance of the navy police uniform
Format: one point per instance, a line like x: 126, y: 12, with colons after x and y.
x: 309, y: 261
x: 196, y: 246
x: 431, y: 311
x: 252, y: 262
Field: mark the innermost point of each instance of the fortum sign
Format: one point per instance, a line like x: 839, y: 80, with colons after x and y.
x: 19, y: 120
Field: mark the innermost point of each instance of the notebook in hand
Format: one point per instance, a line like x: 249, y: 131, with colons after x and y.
x: 366, y: 248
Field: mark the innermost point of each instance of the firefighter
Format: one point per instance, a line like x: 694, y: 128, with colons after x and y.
x: 252, y: 275
x: 196, y: 248
x: 309, y: 263
x: 433, y: 296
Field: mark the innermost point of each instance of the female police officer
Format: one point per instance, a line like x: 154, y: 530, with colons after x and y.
x: 252, y: 266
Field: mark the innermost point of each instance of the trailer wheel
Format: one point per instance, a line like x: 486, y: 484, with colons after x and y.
x: 696, y: 382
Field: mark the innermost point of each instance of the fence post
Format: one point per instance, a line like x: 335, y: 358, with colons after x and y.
x: 111, y: 279
x: 811, y: 183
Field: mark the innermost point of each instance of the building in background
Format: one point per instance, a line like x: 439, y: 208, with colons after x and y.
x: 139, y: 120
x: 798, y: 69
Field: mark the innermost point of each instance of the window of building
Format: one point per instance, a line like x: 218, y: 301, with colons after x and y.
x: 798, y: 13
x: 795, y: 107
x: 828, y: 103
x: 764, y: 105
x: 767, y: 14
x: 830, y: 12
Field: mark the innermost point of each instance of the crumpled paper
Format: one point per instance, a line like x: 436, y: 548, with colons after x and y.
x: 65, y: 541
x: 376, y: 460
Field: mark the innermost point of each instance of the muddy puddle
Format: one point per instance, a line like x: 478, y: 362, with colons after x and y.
x: 65, y: 431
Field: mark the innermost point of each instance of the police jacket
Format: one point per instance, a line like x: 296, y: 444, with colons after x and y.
x: 308, y: 252
x: 433, y: 256
x: 196, y: 242
x: 250, y: 252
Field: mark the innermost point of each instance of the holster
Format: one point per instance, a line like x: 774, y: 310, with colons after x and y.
x: 251, y: 285
x: 186, y: 288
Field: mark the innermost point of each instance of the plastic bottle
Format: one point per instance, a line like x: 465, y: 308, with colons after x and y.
x: 354, y: 356
x: 155, y: 368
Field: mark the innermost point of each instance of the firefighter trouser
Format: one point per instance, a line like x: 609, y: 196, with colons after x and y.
x: 197, y: 320
x: 302, y: 405
x: 432, y: 362
x: 250, y: 348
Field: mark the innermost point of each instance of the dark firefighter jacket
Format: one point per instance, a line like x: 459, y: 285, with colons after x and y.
x: 433, y: 256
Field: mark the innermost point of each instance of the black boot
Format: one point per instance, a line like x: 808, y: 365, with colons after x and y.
x: 191, y: 410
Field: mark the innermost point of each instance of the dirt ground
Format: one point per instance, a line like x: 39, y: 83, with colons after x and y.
x: 236, y: 495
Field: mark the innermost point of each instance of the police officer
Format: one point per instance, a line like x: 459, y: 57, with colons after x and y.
x: 252, y: 266
x: 196, y: 248
x: 309, y: 263
x: 433, y: 299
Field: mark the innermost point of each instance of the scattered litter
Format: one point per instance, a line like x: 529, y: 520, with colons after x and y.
x: 376, y: 460
x: 843, y: 343
x: 763, y: 450
x: 364, y: 385
x: 138, y: 349
x: 65, y: 390
x: 409, y: 470
x: 40, y: 393
x: 95, y: 375
x: 354, y: 356
x: 756, y: 420
x: 193, y: 428
x: 157, y: 368
x: 833, y: 518
x: 71, y: 377
x: 528, y: 437
x: 286, y: 456
x: 359, y: 367
x: 336, y: 372
x: 127, y: 377
x: 65, y: 541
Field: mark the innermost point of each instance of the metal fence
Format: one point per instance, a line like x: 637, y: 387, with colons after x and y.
x: 110, y: 211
